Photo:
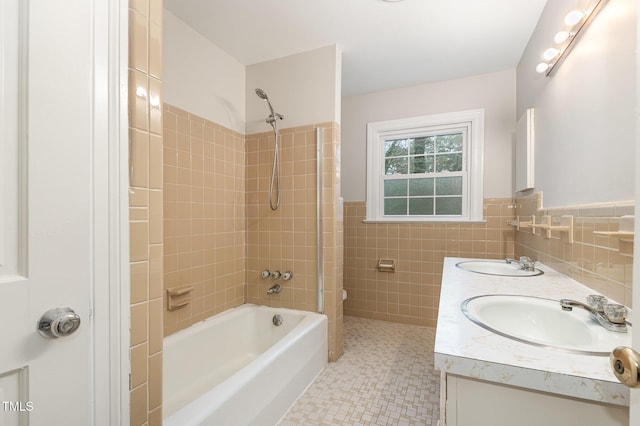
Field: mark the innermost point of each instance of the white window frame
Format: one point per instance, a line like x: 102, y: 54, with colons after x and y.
x: 473, y: 162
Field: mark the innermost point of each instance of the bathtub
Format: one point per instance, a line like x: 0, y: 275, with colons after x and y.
x: 238, y: 368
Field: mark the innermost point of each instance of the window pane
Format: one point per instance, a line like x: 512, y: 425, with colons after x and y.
x: 417, y: 164
x: 449, y: 206
x: 449, y: 143
x: 423, y: 206
x: 396, y: 148
x: 422, y: 145
x: 395, y: 188
x: 395, y: 206
x: 422, y: 164
x: 449, y: 163
x: 393, y: 166
x: 421, y: 187
x: 449, y: 186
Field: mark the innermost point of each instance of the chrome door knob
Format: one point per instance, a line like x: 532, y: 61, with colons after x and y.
x: 58, y: 322
x: 625, y: 363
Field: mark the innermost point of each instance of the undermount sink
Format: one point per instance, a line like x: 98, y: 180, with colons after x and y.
x: 542, y: 322
x: 497, y: 267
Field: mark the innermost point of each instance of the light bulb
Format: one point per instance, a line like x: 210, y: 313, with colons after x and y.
x: 542, y: 67
x: 550, y: 53
x: 573, y: 17
x: 561, y: 37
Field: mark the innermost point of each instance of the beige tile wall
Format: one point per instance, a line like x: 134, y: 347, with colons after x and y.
x: 145, y: 201
x: 594, y: 260
x: 412, y: 293
x: 204, y: 216
x: 285, y: 239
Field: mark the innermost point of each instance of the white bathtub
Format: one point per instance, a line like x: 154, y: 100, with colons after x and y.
x: 238, y: 368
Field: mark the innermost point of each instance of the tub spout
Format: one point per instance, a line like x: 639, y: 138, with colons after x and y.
x: 275, y: 289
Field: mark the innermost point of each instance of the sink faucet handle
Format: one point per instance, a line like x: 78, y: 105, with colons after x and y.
x: 526, y: 259
x: 615, y: 313
x: 597, y: 302
x: 527, y: 263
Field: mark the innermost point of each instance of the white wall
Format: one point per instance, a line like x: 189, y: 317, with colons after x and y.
x: 495, y: 92
x: 305, y: 88
x: 201, y: 78
x: 585, y: 123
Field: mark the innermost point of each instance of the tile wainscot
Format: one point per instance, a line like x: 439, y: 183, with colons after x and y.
x: 492, y: 380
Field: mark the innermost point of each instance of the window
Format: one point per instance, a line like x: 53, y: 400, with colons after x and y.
x: 426, y: 168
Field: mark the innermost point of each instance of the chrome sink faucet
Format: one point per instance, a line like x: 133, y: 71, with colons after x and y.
x: 611, y: 316
x: 525, y: 262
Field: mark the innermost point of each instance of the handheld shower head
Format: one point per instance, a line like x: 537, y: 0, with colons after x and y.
x: 275, y: 171
x: 262, y: 95
x: 274, y: 115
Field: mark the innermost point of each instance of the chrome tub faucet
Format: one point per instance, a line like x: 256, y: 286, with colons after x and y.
x: 274, y: 289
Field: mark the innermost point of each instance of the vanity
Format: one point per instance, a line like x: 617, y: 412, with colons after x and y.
x: 493, y: 380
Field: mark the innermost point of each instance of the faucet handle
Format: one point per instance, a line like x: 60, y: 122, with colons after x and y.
x: 615, y: 313
x: 527, y: 261
x: 597, y: 302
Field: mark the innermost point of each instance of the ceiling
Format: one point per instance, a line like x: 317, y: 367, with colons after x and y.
x: 385, y: 44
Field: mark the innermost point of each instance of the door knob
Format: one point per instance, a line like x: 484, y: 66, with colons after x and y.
x: 58, y: 322
x: 625, y: 363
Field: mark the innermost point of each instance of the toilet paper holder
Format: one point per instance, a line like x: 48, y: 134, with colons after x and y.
x: 386, y: 265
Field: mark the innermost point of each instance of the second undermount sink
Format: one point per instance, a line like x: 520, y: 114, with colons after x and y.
x: 542, y: 322
x: 498, y: 267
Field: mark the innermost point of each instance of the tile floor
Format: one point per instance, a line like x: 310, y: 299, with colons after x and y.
x: 385, y: 377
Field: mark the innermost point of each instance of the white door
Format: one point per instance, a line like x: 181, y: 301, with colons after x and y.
x: 49, y: 105
x: 634, y: 411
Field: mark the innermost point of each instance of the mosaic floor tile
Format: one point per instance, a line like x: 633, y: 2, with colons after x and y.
x: 385, y: 377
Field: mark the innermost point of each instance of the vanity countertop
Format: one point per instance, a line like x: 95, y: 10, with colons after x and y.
x: 466, y: 349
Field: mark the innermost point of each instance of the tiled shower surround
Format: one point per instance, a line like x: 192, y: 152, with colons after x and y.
x: 600, y: 262
x: 285, y: 239
x: 204, y: 216
x: 220, y: 232
x: 411, y: 294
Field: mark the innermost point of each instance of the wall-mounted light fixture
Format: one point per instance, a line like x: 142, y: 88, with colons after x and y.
x: 574, y: 22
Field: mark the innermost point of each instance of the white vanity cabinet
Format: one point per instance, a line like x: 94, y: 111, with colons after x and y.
x: 472, y: 402
x: 488, y: 379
